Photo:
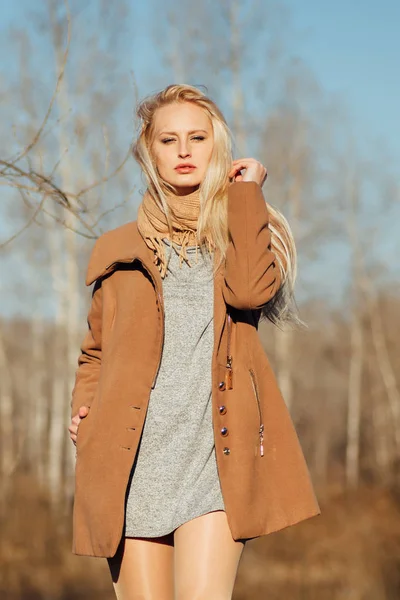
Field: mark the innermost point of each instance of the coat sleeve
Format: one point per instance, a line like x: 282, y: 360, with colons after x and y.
x: 89, y: 360
x: 252, y: 274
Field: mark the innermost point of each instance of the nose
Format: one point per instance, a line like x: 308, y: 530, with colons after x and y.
x: 184, y: 151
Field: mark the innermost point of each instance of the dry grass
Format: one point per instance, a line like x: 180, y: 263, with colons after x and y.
x: 351, y: 552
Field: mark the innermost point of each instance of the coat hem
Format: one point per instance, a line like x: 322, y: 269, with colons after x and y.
x: 239, y: 534
x: 245, y: 535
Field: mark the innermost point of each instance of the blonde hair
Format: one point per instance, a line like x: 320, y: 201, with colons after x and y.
x: 213, y: 217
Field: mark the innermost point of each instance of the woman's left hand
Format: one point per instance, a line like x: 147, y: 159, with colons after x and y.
x: 253, y: 170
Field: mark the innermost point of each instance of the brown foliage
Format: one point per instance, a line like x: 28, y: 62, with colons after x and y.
x: 351, y: 551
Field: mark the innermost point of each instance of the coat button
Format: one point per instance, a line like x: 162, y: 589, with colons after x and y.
x: 221, y: 385
x: 224, y: 431
x: 222, y: 409
x: 226, y: 451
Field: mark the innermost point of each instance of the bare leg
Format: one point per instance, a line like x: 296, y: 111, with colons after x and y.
x: 206, y: 558
x: 142, y: 569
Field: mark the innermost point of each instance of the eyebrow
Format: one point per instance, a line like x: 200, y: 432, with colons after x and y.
x: 189, y: 132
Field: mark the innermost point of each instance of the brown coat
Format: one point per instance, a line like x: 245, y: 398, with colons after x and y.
x: 263, y: 491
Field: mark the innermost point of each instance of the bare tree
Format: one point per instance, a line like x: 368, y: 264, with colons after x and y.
x: 65, y: 203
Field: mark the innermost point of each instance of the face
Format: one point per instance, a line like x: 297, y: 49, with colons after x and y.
x: 183, y: 135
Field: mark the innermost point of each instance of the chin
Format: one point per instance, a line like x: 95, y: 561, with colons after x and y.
x: 184, y: 181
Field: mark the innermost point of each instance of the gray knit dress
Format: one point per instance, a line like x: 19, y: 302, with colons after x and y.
x: 174, y: 477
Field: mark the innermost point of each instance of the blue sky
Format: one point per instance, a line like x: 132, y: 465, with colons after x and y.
x: 352, y: 46
x: 353, y: 49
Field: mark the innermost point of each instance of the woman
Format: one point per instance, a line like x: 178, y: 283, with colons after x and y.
x: 185, y: 448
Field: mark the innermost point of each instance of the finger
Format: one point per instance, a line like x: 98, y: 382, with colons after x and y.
x: 246, y: 160
x: 73, y: 430
x: 236, y: 169
x: 241, y: 164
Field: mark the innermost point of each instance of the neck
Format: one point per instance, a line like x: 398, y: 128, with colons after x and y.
x: 186, y: 190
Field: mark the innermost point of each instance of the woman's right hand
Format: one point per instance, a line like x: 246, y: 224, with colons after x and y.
x: 73, y: 428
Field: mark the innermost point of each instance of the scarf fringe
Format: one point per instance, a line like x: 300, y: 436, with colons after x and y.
x: 153, y: 228
x: 180, y: 244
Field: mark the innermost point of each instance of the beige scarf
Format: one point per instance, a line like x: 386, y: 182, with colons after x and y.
x: 152, y: 225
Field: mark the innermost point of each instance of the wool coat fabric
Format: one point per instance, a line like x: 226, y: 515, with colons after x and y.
x: 264, y: 478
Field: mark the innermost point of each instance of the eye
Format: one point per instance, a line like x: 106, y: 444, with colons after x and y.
x: 196, y: 137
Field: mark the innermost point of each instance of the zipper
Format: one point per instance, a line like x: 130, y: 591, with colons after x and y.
x: 229, y: 371
x: 159, y: 302
x: 256, y: 395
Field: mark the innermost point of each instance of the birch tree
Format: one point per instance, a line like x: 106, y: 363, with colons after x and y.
x: 355, y: 360
x: 60, y: 179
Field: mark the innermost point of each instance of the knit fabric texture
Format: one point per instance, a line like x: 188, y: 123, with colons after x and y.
x: 174, y: 477
x: 153, y: 227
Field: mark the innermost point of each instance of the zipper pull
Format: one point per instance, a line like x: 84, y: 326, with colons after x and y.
x: 261, y: 431
x: 228, y: 374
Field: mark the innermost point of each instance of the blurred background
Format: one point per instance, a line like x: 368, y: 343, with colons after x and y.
x: 311, y: 89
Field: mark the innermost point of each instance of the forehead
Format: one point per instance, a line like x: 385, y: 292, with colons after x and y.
x: 180, y: 118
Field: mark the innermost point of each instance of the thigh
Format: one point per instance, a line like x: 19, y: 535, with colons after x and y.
x: 142, y: 569
x: 206, y: 558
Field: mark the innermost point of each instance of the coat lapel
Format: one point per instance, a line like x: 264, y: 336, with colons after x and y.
x: 129, y: 246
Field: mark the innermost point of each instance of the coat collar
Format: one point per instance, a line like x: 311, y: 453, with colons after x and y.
x: 123, y: 244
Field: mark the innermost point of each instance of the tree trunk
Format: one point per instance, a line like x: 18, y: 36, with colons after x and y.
x: 354, y: 403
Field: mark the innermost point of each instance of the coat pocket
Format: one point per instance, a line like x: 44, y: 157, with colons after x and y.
x: 256, y: 396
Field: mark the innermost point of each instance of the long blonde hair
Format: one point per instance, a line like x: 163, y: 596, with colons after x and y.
x: 213, y: 217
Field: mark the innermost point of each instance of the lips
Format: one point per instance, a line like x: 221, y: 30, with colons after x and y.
x: 185, y: 168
